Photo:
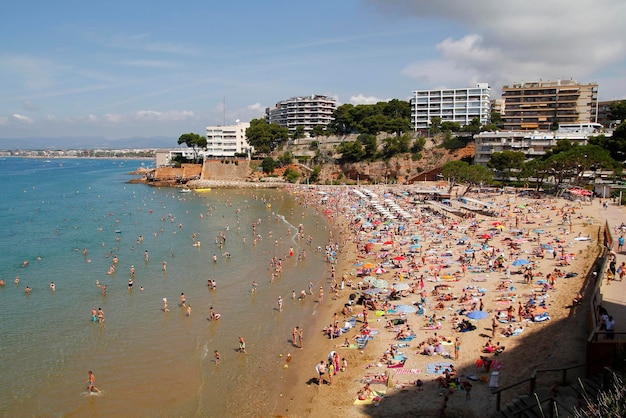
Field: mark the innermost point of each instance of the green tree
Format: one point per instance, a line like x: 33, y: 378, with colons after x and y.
x: 618, y: 110
x: 317, y: 131
x: 537, y: 169
x: 554, y: 126
x: 435, y: 125
x: 315, y: 175
x: 285, y: 159
x: 477, y: 175
x: 299, y: 132
x: 474, y: 127
x: 461, y: 172
x: 343, y: 121
x: 616, y: 143
x: 496, y: 119
x: 396, y: 145
x: 351, y: 151
x: 454, y: 172
x: 373, y: 124
x: 193, y: 141
x: 370, y: 144
x: 291, y: 175
x: 265, y: 137
x: 448, y: 126
x: 506, y: 161
x: 268, y: 165
x: 418, y: 145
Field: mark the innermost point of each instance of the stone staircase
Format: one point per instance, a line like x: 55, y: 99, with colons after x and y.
x: 542, y: 405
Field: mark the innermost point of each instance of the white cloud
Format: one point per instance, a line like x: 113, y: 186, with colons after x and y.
x: 362, y: 99
x: 518, y: 40
x: 22, y: 118
x: 256, y: 107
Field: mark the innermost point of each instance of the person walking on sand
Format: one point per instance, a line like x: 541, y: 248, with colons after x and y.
x: 217, y: 357
x: 91, y: 383
x: 457, y: 348
x: 295, y: 332
x: 279, y: 303
x: 494, y: 326
x: 242, y: 345
x: 321, y: 370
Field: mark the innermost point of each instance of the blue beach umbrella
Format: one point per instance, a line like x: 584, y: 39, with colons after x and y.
x: 520, y: 262
x: 477, y: 315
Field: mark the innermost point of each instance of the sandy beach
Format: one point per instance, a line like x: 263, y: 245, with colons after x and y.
x: 523, y: 267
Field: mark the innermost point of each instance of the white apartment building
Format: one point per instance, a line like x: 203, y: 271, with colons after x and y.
x: 451, y: 105
x: 227, y: 141
x: 307, y: 111
x: 534, y: 144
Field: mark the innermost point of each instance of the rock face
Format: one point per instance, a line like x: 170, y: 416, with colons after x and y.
x: 401, y: 169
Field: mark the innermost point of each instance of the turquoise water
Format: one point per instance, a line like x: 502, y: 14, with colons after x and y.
x: 147, y: 362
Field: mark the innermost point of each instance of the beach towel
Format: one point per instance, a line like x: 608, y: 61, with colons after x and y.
x: 493, y: 381
x: 437, y: 368
x: 405, y: 370
x: 375, y: 396
x: 409, y: 338
x: 396, y: 366
x: 541, y: 317
x: 350, y: 346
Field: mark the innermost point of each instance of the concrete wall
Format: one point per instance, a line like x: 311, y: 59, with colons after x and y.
x: 218, y: 170
x: 186, y: 171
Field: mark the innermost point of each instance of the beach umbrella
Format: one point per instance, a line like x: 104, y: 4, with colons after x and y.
x: 399, y: 258
x: 380, y: 270
x: 368, y: 266
x: 485, y: 236
x: 357, y: 264
x: 477, y: 315
x: 388, y: 243
x: 500, y: 227
x: 380, y: 283
x: 401, y: 286
x: 520, y: 262
x: 539, y: 231
x: 369, y: 279
x: 406, y: 309
x: 469, y: 251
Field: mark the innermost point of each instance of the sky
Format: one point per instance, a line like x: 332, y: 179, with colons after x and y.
x: 120, y: 69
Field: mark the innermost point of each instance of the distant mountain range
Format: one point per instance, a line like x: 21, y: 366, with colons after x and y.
x: 91, y: 142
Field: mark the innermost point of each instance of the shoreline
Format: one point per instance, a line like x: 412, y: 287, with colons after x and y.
x: 306, y: 398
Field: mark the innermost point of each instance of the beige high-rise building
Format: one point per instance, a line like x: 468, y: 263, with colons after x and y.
x: 537, y: 105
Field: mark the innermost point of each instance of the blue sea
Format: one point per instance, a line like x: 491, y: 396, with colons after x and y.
x: 147, y: 362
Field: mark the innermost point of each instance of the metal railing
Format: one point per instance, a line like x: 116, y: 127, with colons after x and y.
x: 533, y: 381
